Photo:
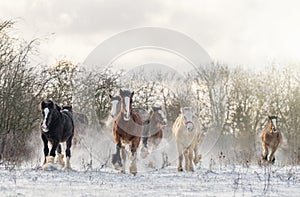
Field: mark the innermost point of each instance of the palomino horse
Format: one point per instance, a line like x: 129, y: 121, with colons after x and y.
x: 271, y: 139
x: 57, y: 127
x: 153, y: 132
x: 187, y: 134
x: 127, y: 129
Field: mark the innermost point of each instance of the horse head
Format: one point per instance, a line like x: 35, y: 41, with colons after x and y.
x: 159, y: 115
x: 126, y: 98
x: 47, y: 108
x: 273, y: 123
x: 115, y: 105
x: 187, y: 113
x: 64, y: 108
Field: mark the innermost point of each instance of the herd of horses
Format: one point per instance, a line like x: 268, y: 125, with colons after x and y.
x: 130, y: 127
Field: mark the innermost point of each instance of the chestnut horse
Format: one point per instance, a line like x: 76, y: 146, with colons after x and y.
x: 271, y: 139
x: 153, y: 132
x: 186, y: 130
x: 127, y: 130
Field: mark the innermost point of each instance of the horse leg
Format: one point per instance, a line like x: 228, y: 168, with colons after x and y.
x: 68, y: 153
x: 50, y: 159
x: 134, y: 147
x: 145, y: 137
x: 46, y: 149
x: 180, y: 157
x: 186, y: 159
x: 190, y: 159
x: 273, y: 153
x: 265, y: 152
x: 145, y: 134
x: 123, y: 160
x: 198, y: 156
x: 59, y: 159
x: 271, y: 157
x: 116, y: 159
x: 53, y: 148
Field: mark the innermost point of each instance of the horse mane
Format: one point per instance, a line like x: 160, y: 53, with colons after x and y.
x: 136, y: 118
x: 178, y: 120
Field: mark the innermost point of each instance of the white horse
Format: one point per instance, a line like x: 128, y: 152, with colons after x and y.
x: 186, y: 130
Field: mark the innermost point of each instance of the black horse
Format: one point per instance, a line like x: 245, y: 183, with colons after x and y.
x: 57, y: 126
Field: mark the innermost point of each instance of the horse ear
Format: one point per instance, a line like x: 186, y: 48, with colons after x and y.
x: 155, y: 108
x: 41, y: 106
x: 58, y: 107
x: 51, y: 104
x: 132, y: 93
x: 121, y: 91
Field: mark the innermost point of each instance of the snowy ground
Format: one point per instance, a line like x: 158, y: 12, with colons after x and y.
x: 228, y: 181
x: 213, y: 177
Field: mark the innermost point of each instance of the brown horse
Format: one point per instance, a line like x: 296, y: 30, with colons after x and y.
x: 271, y: 139
x: 127, y: 129
x: 153, y: 132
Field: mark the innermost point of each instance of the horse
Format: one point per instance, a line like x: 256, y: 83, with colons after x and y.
x: 153, y: 132
x: 187, y: 135
x: 153, y: 122
x: 56, y: 127
x: 127, y: 130
x: 271, y: 139
x: 80, y: 122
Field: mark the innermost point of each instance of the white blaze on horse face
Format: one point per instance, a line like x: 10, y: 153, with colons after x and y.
x: 44, y: 125
x: 114, y: 105
x: 274, y: 122
x: 163, y: 116
x: 188, y: 118
x: 127, y: 105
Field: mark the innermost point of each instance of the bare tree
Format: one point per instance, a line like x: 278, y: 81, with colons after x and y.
x: 18, y: 95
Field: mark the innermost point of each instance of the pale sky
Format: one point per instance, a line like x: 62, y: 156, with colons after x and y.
x: 236, y: 32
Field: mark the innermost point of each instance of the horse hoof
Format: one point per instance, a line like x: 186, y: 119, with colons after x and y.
x: 180, y: 169
x: 151, y: 165
x: 117, y: 165
x: 49, y: 159
x: 122, y: 171
x: 59, y: 159
x: 116, y: 161
x: 133, y: 169
x: 273, y: 160
x: 144, y: 152
x: 197, y: 159
x: 190, y: 169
